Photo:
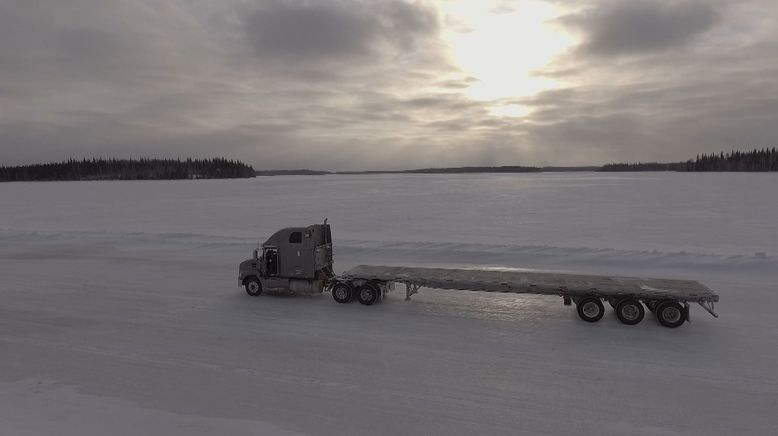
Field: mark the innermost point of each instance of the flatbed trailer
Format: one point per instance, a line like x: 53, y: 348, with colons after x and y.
x: 300, y: 260
x: 669, y: 299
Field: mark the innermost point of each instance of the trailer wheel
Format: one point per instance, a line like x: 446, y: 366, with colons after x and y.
x: 342, y: 292
x: 630, y: 311
x: 670, y: 313
x: 253, y: 286
x: 367, y: 294
x: 590, y: 309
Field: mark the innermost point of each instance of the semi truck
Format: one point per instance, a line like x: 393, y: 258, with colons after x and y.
x: 300, y: 260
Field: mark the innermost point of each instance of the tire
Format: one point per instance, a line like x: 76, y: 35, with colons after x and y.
x: 368, y: 294
x: 590, y: 309
x: 630, y: 311
x: 342, y: 293
x: 253, y: 286
x: 670, y: 313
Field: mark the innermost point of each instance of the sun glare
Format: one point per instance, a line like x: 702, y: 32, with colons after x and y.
x: 502, y: 48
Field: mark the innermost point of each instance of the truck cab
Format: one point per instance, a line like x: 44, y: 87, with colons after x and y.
x: 292, y: 260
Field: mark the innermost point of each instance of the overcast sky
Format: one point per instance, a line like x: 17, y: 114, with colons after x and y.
x: 387, y: 84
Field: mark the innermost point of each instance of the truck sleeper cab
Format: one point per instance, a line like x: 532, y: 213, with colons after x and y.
x: 294, y: 259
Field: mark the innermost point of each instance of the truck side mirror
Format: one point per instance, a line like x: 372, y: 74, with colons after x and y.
x: 256, y: 255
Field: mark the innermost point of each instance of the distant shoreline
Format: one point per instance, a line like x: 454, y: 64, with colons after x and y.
x: 756, y: 160
x: 453, y: 170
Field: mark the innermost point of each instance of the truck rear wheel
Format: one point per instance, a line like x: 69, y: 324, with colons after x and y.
x: 590, y: 309
x: 670, y: 313
x: 253, y: 286
x: 342, y: 292
x: 367, y: 294
x: 630, y: 311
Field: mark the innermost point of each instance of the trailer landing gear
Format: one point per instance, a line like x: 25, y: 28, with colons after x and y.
x: 410, y: 289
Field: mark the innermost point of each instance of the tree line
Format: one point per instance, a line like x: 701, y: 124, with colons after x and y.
x: 128, y: 169
x: 755, y: 160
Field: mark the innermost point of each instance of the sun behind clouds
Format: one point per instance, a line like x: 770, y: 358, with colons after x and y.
x: 501, y: 44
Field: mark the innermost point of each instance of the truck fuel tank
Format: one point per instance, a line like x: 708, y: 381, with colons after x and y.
x: 303, y: 286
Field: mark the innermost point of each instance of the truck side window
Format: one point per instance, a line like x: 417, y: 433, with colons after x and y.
x: 296, y: 238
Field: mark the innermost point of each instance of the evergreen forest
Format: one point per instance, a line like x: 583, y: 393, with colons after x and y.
x: 754, y: 160
x: 128, y: 169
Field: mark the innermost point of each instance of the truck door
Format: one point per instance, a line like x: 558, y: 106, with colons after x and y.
x: 296, y: 255
x: 270, y: 258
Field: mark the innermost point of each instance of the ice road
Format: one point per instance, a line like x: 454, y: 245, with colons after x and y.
x: 120, y: 312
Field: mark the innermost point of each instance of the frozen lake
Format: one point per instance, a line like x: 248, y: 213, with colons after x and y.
x: 703, y: 213
x: 120, y: 311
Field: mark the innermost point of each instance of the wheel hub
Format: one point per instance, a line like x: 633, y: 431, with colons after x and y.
x: 671, y: 314
x: 366, y: 294
x: 629, y: 312
x: 340, y: 293
x: 590, y: 309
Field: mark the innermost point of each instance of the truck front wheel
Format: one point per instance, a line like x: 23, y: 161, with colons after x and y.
x: 253, y: 286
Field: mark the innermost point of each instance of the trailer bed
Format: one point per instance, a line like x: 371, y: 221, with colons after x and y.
x: 535, y: 282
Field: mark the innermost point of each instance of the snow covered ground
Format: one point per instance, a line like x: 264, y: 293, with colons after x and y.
x: 120, y: 311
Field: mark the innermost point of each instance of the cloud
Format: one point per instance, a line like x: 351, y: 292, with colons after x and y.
x: 660, y: 81
x: 368, y: 84
x: 665, y: 119
x: 641, y: 26
x: 504, y: 7
x: 337, y: 31
x: 278, y: 84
